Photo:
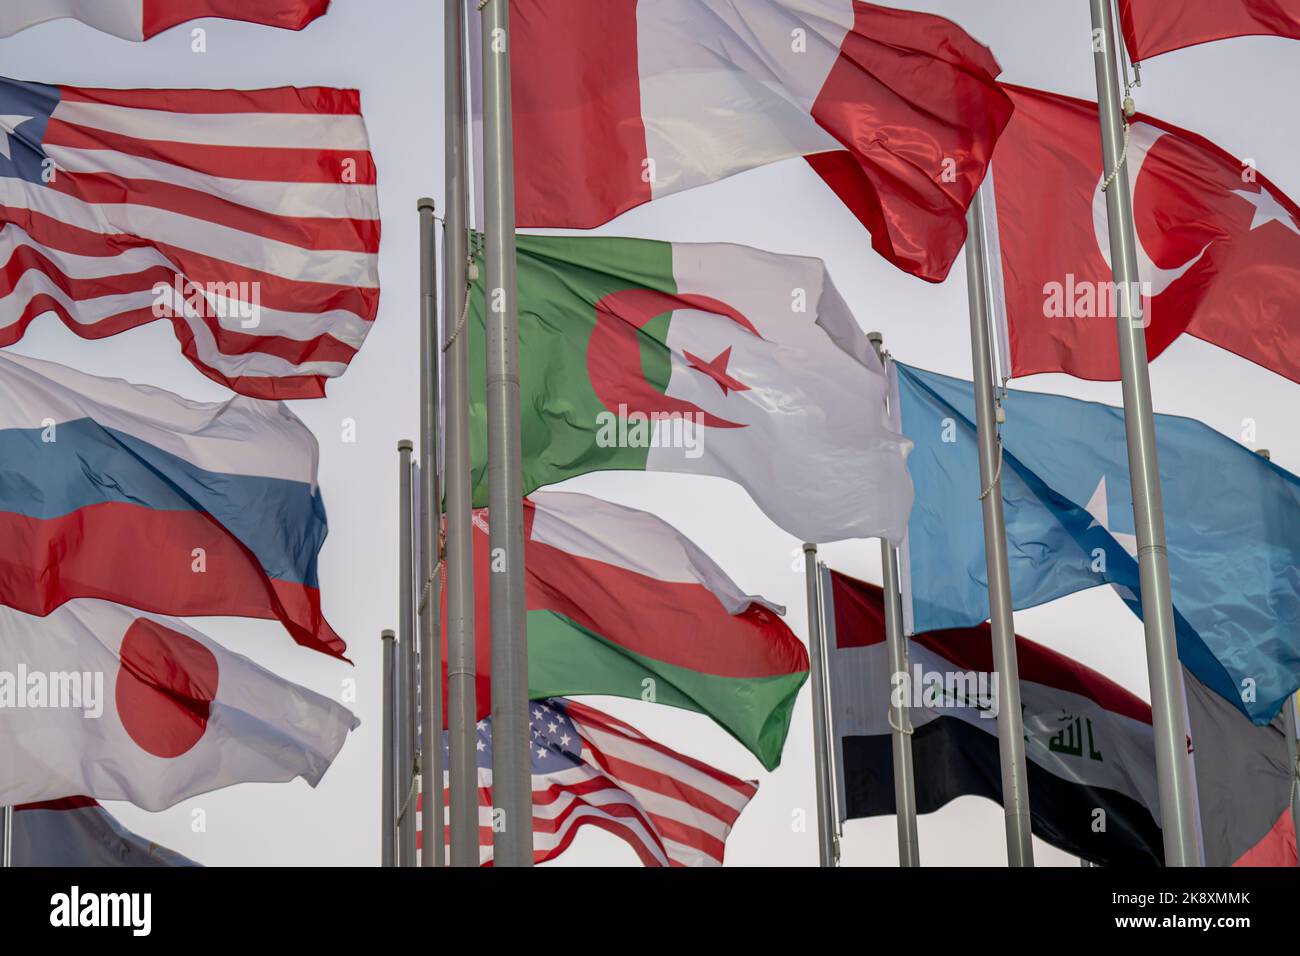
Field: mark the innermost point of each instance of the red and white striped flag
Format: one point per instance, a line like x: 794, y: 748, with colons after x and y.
x: 142, y: 19
x: 249, y: 218
x: 590, y: 769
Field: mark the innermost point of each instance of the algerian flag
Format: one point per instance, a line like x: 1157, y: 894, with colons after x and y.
x: 707, y: 359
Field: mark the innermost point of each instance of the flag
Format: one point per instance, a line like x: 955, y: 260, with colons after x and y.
x: 135, y: 495
x: 142, y: 19
x: 78, y: 832
x: 622, y: 102
x: 622, y: 603
x: 1088, y: 743
x: 1218, y: 245
x: 1232, y: 520
x: 101, y: 700
x: 590, y: 769
x: 699, y: 359
x: 1090, y: 757
x: 1152, y: 27
x: 247, y: 218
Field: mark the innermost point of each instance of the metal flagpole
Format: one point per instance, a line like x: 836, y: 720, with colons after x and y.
x: 1173, y: 776
x: 429, y: 607
x: 511, y: 765
x: 461, y: 704
x: 1011, y: 731
x: 900, y: 721
x: 406, y: 657
x: 826, y: 612
x: 7, y: 840
x: 825, y: 812
x: 388, y: 782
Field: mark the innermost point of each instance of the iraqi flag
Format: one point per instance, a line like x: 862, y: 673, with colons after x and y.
x: 142, y: 19
x: 248, y: 219
x: 624, y: 101
x: 1088, y: 741
x: 702, y: 359
x: 620, y: 602
x: 78, y: 832
x: 592, y: 770
x: 101, y: 700
x: 132, y: 494
x: 1218, y: 245
x: 1152, y: 27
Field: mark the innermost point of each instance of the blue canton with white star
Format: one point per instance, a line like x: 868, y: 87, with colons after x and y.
x: 25, y: 110
x: 554, y: 744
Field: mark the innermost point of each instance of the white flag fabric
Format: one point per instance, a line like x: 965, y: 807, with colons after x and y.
x: 117, y: 704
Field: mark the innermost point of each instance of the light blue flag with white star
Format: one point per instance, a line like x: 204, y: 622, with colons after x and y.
x: 1232, y: 520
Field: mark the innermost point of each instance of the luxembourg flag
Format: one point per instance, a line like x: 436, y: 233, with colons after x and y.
x: 142, y: 19
x: 135, y: 495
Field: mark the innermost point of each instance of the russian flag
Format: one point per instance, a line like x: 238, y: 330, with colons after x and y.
x: 142, y: 19
x: 134, y: 495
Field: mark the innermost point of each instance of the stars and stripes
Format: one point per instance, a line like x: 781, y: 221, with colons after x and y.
x: 590, y: 769
x: 249, y: 218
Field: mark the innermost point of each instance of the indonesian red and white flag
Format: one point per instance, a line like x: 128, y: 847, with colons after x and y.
x: 102, y: 700
x: 591, y: 769
x: 249, y: 219
x: 142, y: 19
x: 1152, y: 27
x: 1218, y: 244
x: 624, y: 101
x: 77, y: 831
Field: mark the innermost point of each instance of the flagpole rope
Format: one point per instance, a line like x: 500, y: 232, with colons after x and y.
x: 406, y: 804
x: 1123, y: 157
x: 901, y: 730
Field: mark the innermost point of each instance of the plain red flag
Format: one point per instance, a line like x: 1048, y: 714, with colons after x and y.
x: 1152, y: 27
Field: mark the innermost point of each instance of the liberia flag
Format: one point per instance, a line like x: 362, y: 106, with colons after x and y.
x: 620, y: 602
x: 1152, y: 27
x: 102, y: 700
x: 590, y: 769
x: 135, y: 495
x: 1218, y: 245
x: 624, y: 101
x: 77, y: 831
x: 247, y: 218
x: 142, y: 19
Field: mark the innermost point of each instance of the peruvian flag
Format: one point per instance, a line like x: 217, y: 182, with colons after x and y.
x: 1218, y: 245
x: 142, y: 19
x: 624, y: 101
x: 77, y: 831
x: 102, y: 700
x: 620, y: 602
x: 1152, y: 27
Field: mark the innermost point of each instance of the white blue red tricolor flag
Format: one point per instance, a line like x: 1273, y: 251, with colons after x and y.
x: 590, y: 769
x: 142, y: 19
x: 247, y: 218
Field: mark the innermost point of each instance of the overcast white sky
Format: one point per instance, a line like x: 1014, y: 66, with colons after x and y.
x: 1240, y: 93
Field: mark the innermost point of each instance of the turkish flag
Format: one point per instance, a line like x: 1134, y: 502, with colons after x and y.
x: 1152, y: 27
x: 1218, y: 244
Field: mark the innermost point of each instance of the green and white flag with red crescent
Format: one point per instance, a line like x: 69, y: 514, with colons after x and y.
x: 705, y: 359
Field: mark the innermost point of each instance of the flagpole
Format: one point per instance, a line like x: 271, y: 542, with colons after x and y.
x: 462, y: 708
x: 826, y: 608
x: 429, y: 607
x: 825, y: 813
x: 7, y: 840
x: 900, y: 721
x: 406, y: 658
x: 387, y: 799
x: 1173, y: 775
x: 512, y: 841
x: 1011, y: 730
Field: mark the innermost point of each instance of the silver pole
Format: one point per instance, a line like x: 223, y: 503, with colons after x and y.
x: 1173, y: 776
x: 429, y: 607
x: 406, y: 658
x: 511, y: 767
x: 821, y: 772
x: 388, y: 781
x: 900, y: 721
x: 461, y: 703
x: 1011, y: 730
x: 7, y: 840
x: 826, y: 608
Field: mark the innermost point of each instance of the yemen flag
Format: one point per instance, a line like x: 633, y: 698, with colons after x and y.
x: 621, y: 603
x: 700, y: 359
x: 620, y: 102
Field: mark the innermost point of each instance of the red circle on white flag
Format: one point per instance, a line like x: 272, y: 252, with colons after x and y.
x: 165, y: 688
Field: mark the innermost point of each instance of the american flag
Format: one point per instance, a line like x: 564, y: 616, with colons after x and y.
x: 248, y: 218
x: 590, y: 769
